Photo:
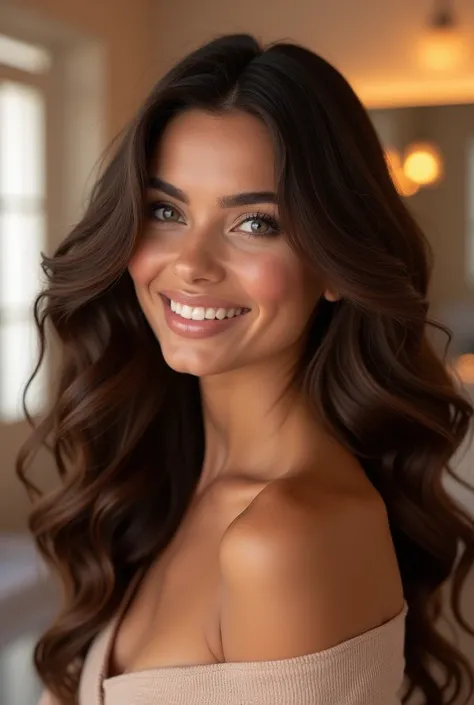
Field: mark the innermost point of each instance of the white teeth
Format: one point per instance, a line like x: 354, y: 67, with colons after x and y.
x: 187, y: 312
x: 199, y: 313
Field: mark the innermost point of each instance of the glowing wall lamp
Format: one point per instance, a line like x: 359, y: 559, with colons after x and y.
x: 423, y: 163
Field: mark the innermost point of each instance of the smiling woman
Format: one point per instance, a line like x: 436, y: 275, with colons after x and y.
x: 204, y: 250
x: 250, y: 424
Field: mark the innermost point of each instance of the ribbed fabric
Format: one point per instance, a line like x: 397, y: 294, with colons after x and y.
x: 365, y: 670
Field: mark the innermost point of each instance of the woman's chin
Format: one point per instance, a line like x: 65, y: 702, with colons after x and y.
x: 196, y: 365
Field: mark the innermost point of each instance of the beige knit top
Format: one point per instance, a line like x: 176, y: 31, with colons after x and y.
x: 366, y: 670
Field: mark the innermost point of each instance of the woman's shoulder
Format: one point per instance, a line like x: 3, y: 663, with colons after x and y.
x: 322, y: 506
x: 304, y: 571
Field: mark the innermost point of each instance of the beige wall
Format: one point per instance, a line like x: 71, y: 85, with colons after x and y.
x: 445, y: 211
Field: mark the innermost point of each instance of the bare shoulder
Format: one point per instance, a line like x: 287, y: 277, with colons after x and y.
x: 303, y: 571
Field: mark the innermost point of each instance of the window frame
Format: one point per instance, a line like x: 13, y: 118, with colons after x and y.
x: 44, y: 83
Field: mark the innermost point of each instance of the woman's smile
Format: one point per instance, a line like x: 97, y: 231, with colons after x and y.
x: 198, y: 316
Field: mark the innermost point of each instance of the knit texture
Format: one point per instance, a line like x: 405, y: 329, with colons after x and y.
x: 365, y: 670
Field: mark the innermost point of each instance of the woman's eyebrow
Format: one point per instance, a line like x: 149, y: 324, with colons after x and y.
x: 238, y: 199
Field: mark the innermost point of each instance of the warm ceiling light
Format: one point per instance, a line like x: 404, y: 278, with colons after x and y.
x: 443, y: 46
x: 423, y: 163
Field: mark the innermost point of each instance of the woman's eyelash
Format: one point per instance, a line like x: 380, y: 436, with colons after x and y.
x: 157, y: 205
x: 265, y: 218
x: 258, y: 215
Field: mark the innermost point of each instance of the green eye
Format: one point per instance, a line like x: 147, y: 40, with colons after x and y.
x: 260, y: 225
x: 166, y: 211
x: 257, y: 226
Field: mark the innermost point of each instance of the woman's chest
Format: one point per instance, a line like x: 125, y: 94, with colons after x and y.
x: 174, y: 617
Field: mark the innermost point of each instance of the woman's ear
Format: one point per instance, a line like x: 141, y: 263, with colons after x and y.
x: 330, y: 295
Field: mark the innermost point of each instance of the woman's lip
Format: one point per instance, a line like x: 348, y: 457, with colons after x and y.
x: 187, y: 328
x: 196, y: 301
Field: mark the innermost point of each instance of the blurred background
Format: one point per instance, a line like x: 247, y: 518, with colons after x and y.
x: 71, y: 75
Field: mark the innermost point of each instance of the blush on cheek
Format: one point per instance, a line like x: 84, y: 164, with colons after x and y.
x: 273, y: 279
x: 142, y: 265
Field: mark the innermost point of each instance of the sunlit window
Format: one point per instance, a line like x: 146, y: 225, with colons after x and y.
x: 23, y: 56
x: 22, y: 238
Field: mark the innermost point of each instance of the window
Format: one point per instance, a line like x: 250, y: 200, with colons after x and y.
x: 22, y: 223
x: 23, y: 56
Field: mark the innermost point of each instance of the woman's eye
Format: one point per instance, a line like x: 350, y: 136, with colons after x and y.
x: 257, y: 224
x: 260, y: 225
x: 163, y: 212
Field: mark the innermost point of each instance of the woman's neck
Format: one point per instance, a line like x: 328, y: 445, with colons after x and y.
x: 256, y: 423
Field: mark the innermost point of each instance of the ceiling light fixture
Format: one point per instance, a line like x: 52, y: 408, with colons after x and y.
x: 443, y: 46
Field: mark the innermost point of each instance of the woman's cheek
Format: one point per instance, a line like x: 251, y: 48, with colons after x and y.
x: 144, y: 264
x: 272, y: 279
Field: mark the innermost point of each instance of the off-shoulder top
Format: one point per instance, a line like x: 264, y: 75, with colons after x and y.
x: 365, y: 670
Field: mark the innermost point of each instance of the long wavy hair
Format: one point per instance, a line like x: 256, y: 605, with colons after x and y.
x: 126, y: 431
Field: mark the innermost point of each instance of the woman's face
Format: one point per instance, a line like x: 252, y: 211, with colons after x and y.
x: 216, y: 279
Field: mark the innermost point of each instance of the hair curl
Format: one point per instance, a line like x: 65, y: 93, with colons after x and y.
x: 126, y: 431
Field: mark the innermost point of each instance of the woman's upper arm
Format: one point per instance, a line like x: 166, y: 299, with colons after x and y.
x: 295, y: 583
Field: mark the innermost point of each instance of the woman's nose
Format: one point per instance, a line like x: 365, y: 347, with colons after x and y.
x: 198, y: 260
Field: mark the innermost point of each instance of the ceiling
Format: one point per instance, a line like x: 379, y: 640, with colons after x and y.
x: 373, y: 42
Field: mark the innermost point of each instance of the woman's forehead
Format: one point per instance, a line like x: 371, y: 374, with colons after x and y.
x: 226, y: 152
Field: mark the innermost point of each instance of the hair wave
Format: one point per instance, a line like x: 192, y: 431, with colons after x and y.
x: 126, y: 431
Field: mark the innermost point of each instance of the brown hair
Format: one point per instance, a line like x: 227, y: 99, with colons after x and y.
x: 126, y: 431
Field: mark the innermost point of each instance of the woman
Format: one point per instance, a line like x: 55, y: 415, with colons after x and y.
x: 250, y: 424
